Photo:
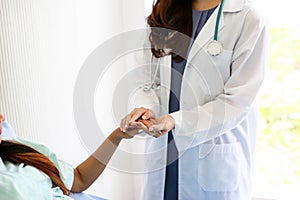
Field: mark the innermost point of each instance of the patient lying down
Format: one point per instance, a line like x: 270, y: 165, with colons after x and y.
x: 31, y: 170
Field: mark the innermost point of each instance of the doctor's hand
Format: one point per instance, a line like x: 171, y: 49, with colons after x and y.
x: 130, y: 123
x: 160, y: 126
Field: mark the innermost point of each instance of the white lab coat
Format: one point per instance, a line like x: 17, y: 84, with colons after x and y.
x: 215, y: 127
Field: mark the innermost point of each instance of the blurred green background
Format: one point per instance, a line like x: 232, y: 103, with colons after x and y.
x: 278, y: 141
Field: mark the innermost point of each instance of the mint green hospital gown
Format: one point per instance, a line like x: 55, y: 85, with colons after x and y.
x: 23, y: 182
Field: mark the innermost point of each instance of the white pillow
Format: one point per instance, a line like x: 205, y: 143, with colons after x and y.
x: 7, y: 131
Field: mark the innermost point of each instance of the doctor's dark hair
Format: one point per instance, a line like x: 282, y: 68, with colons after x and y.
x: 19, y: 153
x: 169, y: 20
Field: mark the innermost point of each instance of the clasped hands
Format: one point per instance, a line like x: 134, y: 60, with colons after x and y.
x: 144, y: 119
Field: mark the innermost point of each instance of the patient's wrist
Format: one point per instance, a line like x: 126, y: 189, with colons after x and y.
x: 117, y: 135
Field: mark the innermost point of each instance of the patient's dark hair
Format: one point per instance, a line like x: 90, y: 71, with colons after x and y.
x: 20, y: 153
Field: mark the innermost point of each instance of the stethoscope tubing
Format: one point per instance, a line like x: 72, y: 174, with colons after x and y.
x: 152, y: 79
x: 218, y: 20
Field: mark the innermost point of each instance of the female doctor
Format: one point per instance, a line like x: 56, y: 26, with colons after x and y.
x: 205, y: 130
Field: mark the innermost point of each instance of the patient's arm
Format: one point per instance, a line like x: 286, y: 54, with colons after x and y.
x: 89, y: 170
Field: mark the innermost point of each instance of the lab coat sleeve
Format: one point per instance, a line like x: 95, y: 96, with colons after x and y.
x: 214, y: 118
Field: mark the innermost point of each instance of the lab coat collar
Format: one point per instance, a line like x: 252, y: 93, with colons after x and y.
x: 207, y: 32
x: 233, y: 5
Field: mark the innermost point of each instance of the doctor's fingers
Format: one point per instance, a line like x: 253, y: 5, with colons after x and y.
x: 157, y: 133
x: 148, y: 115
x: 158, y: 127
x: 138, y: 125
x: 126, y: 124
x: 157, y: 130
x: 163, y: 124
x: 145, y: 122
x: 138, y: 113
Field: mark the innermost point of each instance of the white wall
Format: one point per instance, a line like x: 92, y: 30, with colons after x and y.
x: 43, y: 44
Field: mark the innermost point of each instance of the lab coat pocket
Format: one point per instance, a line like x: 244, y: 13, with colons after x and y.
x: 219, y: 167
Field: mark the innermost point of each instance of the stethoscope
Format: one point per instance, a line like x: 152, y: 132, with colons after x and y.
x: 151, y: 85
x: 214, y: 48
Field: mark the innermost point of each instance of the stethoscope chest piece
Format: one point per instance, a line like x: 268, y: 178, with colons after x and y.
x: 214, y: 48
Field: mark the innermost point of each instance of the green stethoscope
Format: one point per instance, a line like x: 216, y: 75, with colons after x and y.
x: 214, y: 47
